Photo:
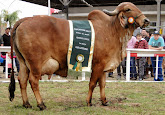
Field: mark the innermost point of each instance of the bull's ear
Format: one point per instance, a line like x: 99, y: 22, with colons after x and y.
x: 123, y: 20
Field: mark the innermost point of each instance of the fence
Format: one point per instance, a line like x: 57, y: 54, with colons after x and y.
x: 130, y: 52
x: 6, y: 49
x: 143, y: 53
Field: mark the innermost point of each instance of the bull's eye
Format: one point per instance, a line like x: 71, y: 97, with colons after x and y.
x: 127, y: 10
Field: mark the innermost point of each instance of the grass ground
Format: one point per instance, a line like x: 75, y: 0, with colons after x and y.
x: 69, y: 99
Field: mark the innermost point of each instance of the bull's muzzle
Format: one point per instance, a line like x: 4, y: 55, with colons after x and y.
x: 146, y: 22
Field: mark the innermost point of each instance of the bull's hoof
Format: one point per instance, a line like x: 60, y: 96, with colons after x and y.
x: 105, y: 103
x: 41, y: 106
x: 27, y: 105
x: 89, y: 104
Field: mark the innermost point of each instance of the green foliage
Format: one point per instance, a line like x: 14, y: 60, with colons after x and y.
x: 10, y: 17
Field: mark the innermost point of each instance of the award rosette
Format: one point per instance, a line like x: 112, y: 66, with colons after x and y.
x: 81, y: 46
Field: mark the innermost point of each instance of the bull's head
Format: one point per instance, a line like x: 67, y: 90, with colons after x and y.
x: 128, y: 14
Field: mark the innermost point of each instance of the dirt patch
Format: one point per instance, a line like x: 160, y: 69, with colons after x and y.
x: 113, y: 104
x: 161, y: 92
x: 68, y: 101
x: 161, y: 109
x: 132, y: 104
x: 117, y: 100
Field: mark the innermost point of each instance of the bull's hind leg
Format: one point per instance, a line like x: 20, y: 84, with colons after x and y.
x: 34, y: 82
x: 23, y: 77
x: 102, y: 89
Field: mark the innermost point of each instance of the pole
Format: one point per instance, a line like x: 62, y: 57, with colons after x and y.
x: 66, y: 10
x: 6, y: 69
x: 83, y: 76
x: 48, y: 7
x: 158, y: 14
x: 128, y: 67
x: 156, y: 73
x: 66, y: 6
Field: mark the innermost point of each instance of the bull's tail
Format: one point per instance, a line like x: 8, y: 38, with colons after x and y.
x: 12, y: 79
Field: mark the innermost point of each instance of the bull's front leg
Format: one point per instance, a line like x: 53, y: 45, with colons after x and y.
x: 102, y: 82
x: 96, y: 74
x: 92, y: 85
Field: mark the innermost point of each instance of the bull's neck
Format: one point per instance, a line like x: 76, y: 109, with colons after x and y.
x: 122, y: 32
x: 123, y: 35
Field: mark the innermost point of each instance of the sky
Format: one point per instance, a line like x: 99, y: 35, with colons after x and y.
x: 26, y: 9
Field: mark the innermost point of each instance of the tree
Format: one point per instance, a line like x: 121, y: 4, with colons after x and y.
x: 11, y: 18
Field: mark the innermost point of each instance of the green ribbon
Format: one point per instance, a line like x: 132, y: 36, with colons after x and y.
x: 75, y: 65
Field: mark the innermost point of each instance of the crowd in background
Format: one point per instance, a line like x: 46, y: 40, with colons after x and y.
x: 141, y: 67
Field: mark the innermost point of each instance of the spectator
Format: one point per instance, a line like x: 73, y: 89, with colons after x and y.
x: 145, y: 35
x: 149, y: 63
x: 123, y: 65
x: 110, y: 74
x: 133, y: 73
x: 141, y: 43
x: 157, y: 43
x: 6, y: 38
x: 5, y: 42
x: 9, y: 62
x: 164, y: 40
x: 1, y: 40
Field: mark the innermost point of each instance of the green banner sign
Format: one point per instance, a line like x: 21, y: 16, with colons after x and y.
x: 81, y: 42
x: 81, y: 46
